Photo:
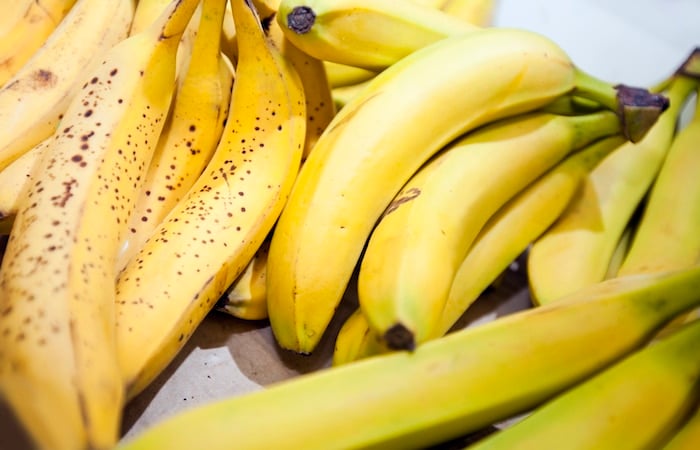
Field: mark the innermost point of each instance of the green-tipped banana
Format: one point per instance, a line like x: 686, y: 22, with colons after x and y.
x: 577, y: 250
x: 636, y: 403
x: 217, y: 227
x: 423, y: 236
x: 58, y: 364
x: 505, y: 236
x: 445, y: 388
x: 373, y: 146
x: 371, y: 34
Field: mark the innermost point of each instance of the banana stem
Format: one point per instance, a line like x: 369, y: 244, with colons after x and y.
x: 636, y: 108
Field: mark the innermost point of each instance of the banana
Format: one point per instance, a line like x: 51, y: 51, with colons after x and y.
x: 655, y: 386
x: 666, y: 236
x: 621, y: 248
x: 576, y: 250
x: 688, y: 436
x: 15, y: 177
x: 30, y: 30
x: 58, y: 272
x: 371, y: 34
x: 504, y: 236
x: 340, y: 75
x: 342, y: 95
x: 373, y: 145
x: 191, y: 133
x: 147, y: 11
x: 423, y: 236
x: 320, y: 108
x: 246, y: 298
x: 218, y: 226
x: 477, y: 12
x: 445, y: 388
x: 33, y: 101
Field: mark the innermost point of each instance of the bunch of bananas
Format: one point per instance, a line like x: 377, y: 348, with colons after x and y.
x: 250, y: 156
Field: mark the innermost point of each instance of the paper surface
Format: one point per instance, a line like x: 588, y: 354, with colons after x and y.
x: 631, y: 42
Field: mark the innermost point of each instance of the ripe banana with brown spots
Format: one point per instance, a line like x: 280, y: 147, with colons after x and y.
x: 35, y: 22
x: 57, y: 276
x: 206, y: 241
x: 191, y: 132
x: 33, y: 101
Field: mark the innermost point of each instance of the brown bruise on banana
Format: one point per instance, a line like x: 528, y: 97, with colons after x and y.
x: 403, y: 197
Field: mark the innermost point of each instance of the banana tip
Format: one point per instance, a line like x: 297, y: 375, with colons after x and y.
x: 301, y: 19
x: 398, y: 337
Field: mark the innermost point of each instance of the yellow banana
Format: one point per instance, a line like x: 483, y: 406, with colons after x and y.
x: 16, y: 176
x: 147, y: 12
x: 343, y: 75
x: 688, y: 435
x: 576, y: 250
x: 505, y: 236
x: 29, y: 32
x: 445, y: 388
x: 320, y: 108
x: 478, y: 12
x: 654, y: 386
x: 33, y: 101
x: 246, y: 298
x: 217, y: 227
x: 423, y: 236
x: 191, y: 133
x: 57, y: 275
x: 342, y: 95
x: 667, y: 234
x: 372, y: 34
x: 372, y: 146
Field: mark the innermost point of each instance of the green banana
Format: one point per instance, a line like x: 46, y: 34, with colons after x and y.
x: 370, y: 34
x: 217, y: 227
x: 447, y: 387
x: 655, y: 386
x: 57, y: 274
x: 423, y: 236
x: 373, y: 146
x: 576, y: 250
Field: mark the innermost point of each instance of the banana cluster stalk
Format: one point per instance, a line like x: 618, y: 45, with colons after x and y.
x: 446, y: 387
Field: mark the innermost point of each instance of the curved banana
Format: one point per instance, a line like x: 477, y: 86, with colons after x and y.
x: 343, y: 75
x: 320, y: 108
x: 503, y: 367
x: 217, y: 227
x: 423, y: 236
x: 58, y: 270
x: 576, y: 250
x: 654, y: 386
x: 33, y: 101
x: 246, y: 298
x: 688, y: 435
x: 372, y: 146
x: 666, y: 236
x: 29, y: 32
x: 505, y: 236
x: 191, y: 133
x: 371, y: 34
x: 16, y: 176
